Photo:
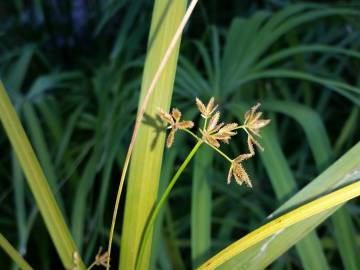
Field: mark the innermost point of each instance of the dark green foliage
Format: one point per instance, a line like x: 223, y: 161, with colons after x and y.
x: 73, y: 69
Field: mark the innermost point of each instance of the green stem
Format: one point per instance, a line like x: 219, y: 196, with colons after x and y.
x: 91, y: 266
x: 205, y: 123
x: 13, y: 254
x: 192, y: 134
x: 220, y: 152
x: 163, y: 198
x: 241, y: 127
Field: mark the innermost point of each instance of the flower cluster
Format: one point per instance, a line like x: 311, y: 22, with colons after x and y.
x: 102, y: 259
x: 173, y: 120
x: 214, y: 132
x: 253, y: 123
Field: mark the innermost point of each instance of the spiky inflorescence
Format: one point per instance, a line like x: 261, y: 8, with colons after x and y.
x: 174, y: 123
x: 239, y: 173
x: 102, y: 259
x: 215, y: 132
x: 252, y: 125
x: 206, y: 111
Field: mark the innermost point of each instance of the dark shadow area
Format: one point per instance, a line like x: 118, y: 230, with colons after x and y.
x: 157, y: 124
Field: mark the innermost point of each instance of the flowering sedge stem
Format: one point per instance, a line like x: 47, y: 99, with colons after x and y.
x: 163, y: 198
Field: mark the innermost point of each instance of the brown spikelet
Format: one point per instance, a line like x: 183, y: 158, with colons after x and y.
x: 225, y: 133
x: 229, y: 127
x: 216, y: 132
x: 102, y: 259
x: 253, y: 121
x: 176, y: 114
x: 251, y: 113
x: 206, y: 111
x: 166, y: 117
x: 201, y: 107
x: 185, y: 124
x: 213, y: 121
x: 174, y: 123
x: 211, y: 107
x: 170, y: 138
x: 239, y: 173
x: 211, y: 140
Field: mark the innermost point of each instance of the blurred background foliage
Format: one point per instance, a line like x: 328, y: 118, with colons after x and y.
x: 73, y: 70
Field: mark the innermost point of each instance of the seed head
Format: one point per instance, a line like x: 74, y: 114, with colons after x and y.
x: 253, y: 121
x: 216, y: 132
x: 174, y: 123
x: 206, y: 111
x: 102, y: 259
x: 239, y: 173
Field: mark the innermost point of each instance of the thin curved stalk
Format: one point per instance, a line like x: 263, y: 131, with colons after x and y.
x: 163, y: 198
x: 13, y: 254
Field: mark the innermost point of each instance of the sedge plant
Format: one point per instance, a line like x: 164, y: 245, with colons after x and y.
x: 212, y: 133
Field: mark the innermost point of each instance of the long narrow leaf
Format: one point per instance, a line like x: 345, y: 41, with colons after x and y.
x: 284, y: 184
x: 309, y: 248
x: 320, y: 145
x: 201, y: 206
x: 342, y: 172
x: 147, y: 156
x: 276, y: 227
x: 36, y: 179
